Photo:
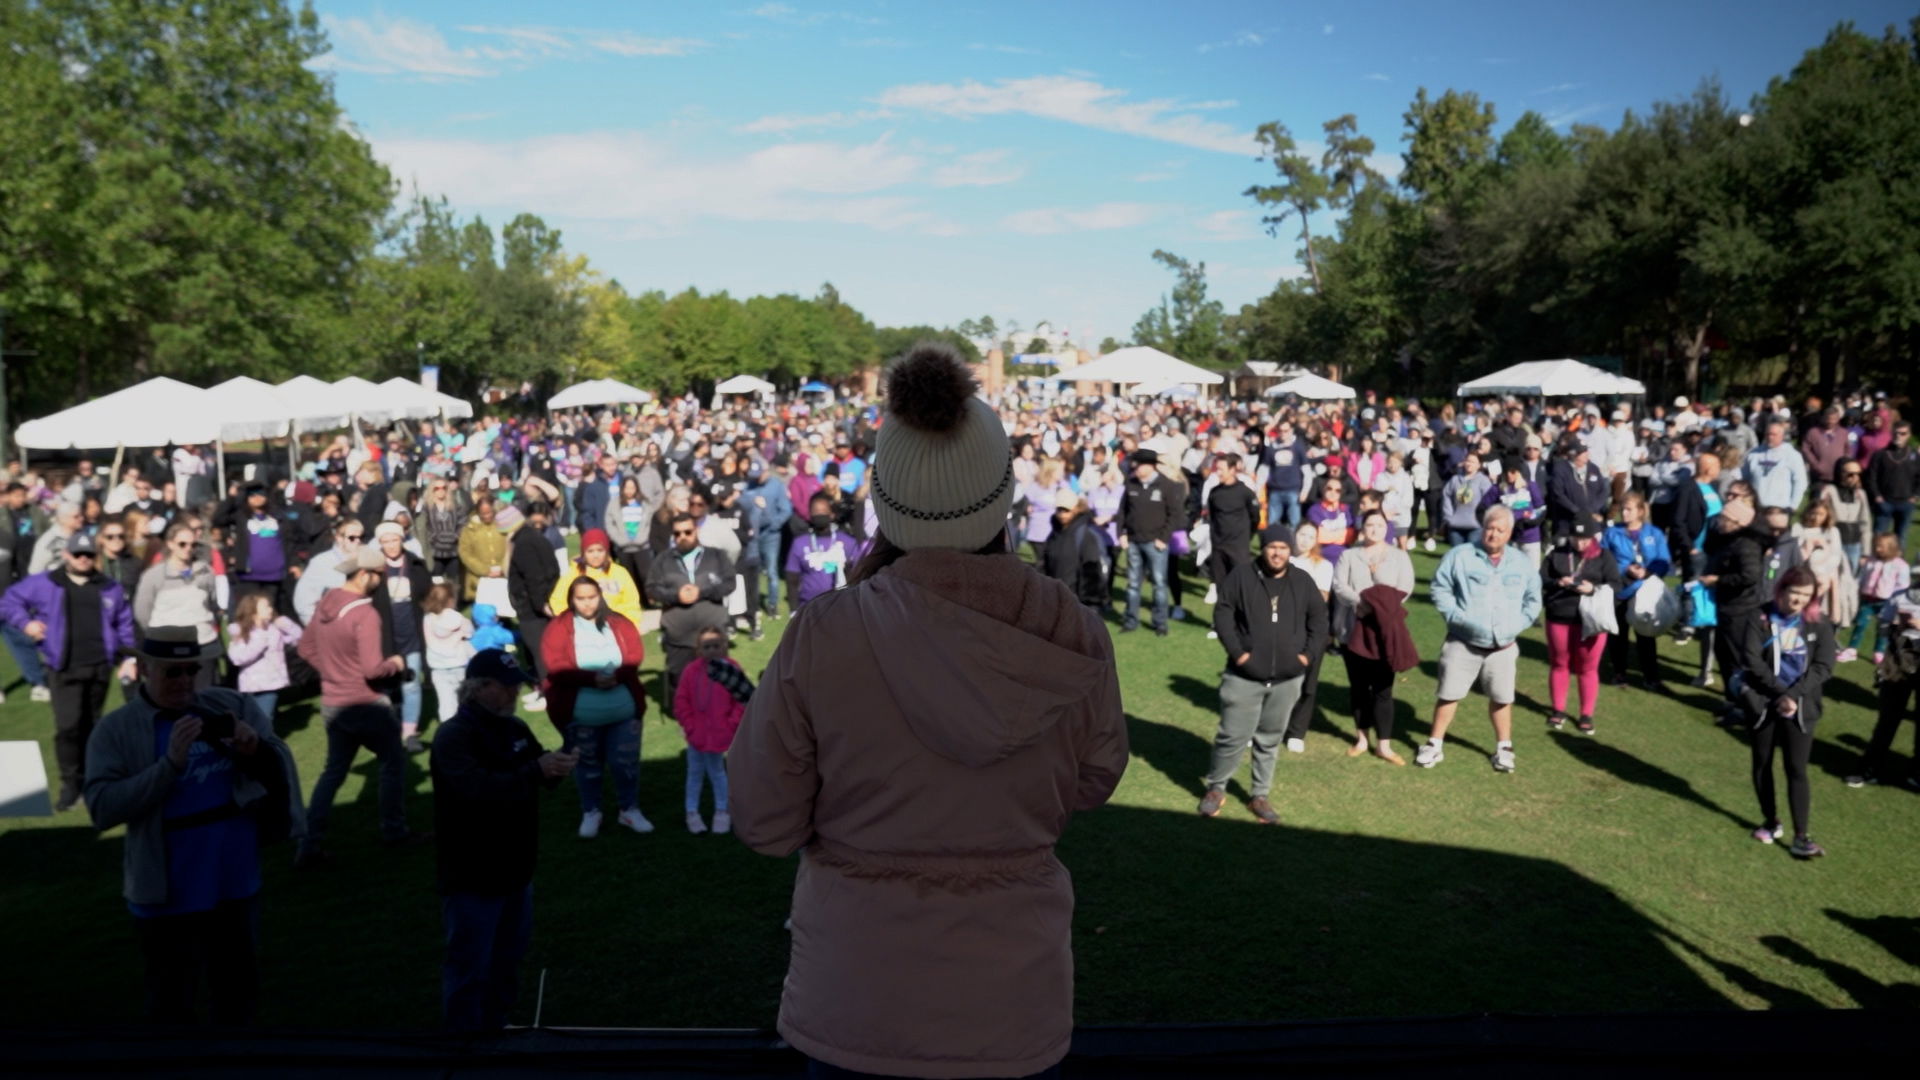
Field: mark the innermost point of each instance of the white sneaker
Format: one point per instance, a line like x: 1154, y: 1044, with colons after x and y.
x: 1429, y: 543
x: 1298, y: 746
x: 1502, y: 760
x: 1213, y: 635
x: 722, y: 823
x: 534, y: 703
x: 1702, y: 681
x: 1429, y: 756
x: 635, y: 820
x: 589, y: 824
x: 694, y: 824
x: 1846, y: 656
x: 1213, y: 594
x: 40, y: 694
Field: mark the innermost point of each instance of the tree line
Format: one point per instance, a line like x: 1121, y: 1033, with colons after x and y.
x: 1704, y: 246
x: 183, y: 196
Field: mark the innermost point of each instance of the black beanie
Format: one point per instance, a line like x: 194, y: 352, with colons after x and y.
x: 1276, y: 534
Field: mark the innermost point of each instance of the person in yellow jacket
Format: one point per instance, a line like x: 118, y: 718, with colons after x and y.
x: 596, y: 561
x: 483, y: 547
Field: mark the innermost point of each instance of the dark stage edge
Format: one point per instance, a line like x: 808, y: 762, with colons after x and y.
x: 1677, y: 1044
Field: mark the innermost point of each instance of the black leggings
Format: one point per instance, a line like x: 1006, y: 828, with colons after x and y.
x: 1372, y: 691
x: 1621, y: 652
x: 1894, y: 697
x: 1799, y: 747
x: 1302, y: 717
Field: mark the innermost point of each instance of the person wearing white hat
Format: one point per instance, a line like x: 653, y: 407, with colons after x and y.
x: 922, y: 737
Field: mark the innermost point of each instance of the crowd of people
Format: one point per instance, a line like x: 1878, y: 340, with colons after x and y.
x: 434, y: 562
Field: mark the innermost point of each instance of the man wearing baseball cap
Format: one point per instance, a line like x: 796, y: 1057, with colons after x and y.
x: 488, y: 771
x: 343, y: 645
x: 82, y: 625
x: 200, y: 781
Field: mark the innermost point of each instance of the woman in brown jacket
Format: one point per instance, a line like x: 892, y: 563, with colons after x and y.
x: 922, y: 738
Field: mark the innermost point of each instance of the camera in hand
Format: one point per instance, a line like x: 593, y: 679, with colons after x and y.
x: 216, y: 727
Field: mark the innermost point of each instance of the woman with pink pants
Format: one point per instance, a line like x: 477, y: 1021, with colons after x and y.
x: 1575, y: 567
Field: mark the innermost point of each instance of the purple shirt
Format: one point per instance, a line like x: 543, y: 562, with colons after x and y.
x: 822, y: 562
x: 266, y: 560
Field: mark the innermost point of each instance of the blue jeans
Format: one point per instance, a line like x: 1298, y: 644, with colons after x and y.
x: 602, y: 747
x: 26, y: 655
x: 486, y: 938
x: 702, y: 767
x: 1145, y: 556
x: 1893, y: 517
x: 267, y: 701
x: 1283, y: 507
x: 410, y: 694
x: 1868, y: 623
x: 767, y: 543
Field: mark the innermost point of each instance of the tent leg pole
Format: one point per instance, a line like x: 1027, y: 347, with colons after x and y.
x: 119, y: 452
x: 220, y: 464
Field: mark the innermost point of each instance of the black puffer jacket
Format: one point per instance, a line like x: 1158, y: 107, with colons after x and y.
x: 1563, y: 602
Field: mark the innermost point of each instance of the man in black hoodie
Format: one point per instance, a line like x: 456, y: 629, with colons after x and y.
x: 1890, y: 481
x: 1272, y: 622
x: 1737, y: 548
x: 488, y: 770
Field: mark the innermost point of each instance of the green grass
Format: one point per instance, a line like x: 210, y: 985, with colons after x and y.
x: 1607, y: 874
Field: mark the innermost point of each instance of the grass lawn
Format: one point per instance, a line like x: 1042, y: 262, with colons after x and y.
x: 1611, y: 873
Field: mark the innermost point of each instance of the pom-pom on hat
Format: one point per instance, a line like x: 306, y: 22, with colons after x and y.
x: 942, y: 465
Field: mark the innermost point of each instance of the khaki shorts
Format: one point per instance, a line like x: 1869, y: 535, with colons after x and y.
x: 1462, y: 665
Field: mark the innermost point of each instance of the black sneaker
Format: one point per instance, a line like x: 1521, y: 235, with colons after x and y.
x: 1653, y: 686
x: 1911, y: 783
x: 414, y: 745
x: 1585, y: 724
x: 1866, y: 780
x: 1159, y: 631
x: 1556, y: 720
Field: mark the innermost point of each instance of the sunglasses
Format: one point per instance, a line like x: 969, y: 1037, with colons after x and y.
x: 113, y: 536
x: 182, y: 544
x: 683, y: 532
x: 79, y: 554
x: 354, y: 536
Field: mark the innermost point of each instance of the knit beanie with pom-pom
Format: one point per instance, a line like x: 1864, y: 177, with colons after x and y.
x: 942, y: 464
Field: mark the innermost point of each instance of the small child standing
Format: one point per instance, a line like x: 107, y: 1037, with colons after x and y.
x: 449, y: 647
x: 487, y: 631
x: 709, y: 703
x: 258, y: 640
x: 1884, y: 576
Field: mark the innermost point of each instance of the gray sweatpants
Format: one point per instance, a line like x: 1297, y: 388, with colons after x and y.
x: 1257, y: 713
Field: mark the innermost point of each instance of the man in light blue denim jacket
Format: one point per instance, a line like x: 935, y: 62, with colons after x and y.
x: 1489, y: 593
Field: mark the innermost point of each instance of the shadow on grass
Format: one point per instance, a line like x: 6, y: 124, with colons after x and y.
x: 1899, y: 935
x: 1865, y: 990
x: 1287, y: 922
x: 1177, y: 754
x: 1625, y: 766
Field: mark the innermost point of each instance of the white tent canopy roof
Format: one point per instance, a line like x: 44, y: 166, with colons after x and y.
x: 153, y: 413
x: 598, y: 392
x: 247, y: 408
x: 1312, y: 387
x: 410, y: 400
x: 1140, y: 364
x: 319, y: 404
x: 744, y: 384
x: 452, y: 407
x: 1551, y: 378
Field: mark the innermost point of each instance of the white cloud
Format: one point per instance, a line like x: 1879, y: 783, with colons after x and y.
x: 398, y: 46
x: 1242, y: 40
x: 980, y: 169
x: 792, y: 16
x: 1075, y: 101
x: 1109, y: 215
x: 650, y: 185
x: 385, y: 46
x: 1563, y: 117
x: 1230, y: 225
x: 1376, y: 76
x: 1015, y: 50
x: 784, y: 123
x: 1558, y: 88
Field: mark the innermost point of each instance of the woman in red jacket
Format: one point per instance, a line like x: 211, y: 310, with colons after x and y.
x: 592, y: 656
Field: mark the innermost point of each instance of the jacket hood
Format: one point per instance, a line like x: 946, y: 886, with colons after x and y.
x: 333, y: 606
x: 983, y: 654
x: 485, y: 615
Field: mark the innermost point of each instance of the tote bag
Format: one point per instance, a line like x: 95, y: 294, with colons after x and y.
x: 1596, y: 612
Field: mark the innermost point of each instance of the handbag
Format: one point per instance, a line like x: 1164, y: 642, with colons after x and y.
x: 1702, y: 612
x: 1654, y: 608
x: 1596, y: 613
x: 1179, y: 543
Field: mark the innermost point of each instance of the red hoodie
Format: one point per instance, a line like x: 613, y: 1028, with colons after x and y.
x: 343, y: 645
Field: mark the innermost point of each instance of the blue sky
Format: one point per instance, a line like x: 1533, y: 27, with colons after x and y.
x: 942, y: 161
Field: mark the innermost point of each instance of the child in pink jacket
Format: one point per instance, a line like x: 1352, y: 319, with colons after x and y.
x: 709, y: 702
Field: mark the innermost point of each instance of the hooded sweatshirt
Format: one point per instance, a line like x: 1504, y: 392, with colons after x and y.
x: 343, y: 645
x: 924, y: 737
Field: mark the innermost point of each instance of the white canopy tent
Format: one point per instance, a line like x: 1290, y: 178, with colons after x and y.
x: 1171, y: 390
x: 247, y: 408
x: 1551, y: 378
x: 1311, y: 387
x: 409, y: 400
x: 744, y: 384
x: 1140, y: 364
x: 153, y: 413
x: 598, y: 392
x: 319, y: 405
x: 452, y: 408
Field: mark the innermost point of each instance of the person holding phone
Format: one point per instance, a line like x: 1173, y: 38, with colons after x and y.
x: 200, y: 781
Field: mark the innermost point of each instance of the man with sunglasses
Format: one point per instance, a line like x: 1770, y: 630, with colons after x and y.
x: 117, y: 561
x: 342, y: 643
x: 690, y: 584
x: 323, y: 574
x: 83, y: 625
